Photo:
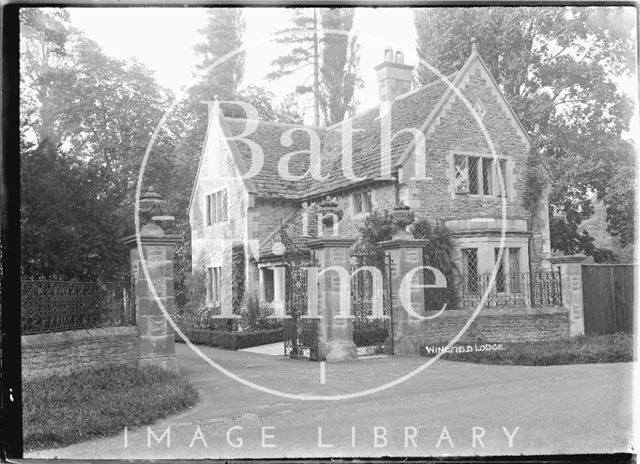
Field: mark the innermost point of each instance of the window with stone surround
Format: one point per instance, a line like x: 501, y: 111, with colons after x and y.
x: 508, y: 278
x: 477, y: 175
x: 217, y: 206
x: 214, y: 285
x: 268, y: 285
x: 470, y: 269
x: 361, y: 202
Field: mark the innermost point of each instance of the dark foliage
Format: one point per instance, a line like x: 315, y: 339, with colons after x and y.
x: 232, y: 340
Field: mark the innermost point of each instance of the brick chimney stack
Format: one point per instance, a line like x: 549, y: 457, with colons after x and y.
x: 394, y: 78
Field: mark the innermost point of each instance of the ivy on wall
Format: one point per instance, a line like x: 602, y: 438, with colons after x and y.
x: 438, y: 253
x: 237, y: 276
x: 534, y: 184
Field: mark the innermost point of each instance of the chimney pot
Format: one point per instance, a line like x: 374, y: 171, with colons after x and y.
x: 388, y: 55
x: 394, y: 79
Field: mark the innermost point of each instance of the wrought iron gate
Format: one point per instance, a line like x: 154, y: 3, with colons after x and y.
x: 371, y: 334
x: 300, y: 332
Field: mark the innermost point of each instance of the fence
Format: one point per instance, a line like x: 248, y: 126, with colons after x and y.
x: 51, y: 306
x: 517, y: 290
x: 608, y: 301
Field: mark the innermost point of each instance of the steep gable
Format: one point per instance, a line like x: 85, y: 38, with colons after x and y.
x: 217, y: 138
x: 454, y: 88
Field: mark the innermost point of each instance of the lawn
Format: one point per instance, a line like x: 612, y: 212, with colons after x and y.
x: 578, y: 350
x: 62, y: 410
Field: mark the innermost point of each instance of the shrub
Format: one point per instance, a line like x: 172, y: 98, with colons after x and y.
x: 438, y: 254
x: 584, y: 349
x: 255, y: 318
x: 232, y: 340
x: 369, y: 335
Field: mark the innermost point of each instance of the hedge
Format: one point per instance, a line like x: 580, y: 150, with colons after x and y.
x: 232, y: 340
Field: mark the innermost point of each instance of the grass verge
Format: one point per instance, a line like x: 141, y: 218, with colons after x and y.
x: 62, y: 410
x: 577, y: 350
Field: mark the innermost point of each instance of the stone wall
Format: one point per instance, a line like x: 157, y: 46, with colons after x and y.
x: 65, y: 352
x: 500, y: 326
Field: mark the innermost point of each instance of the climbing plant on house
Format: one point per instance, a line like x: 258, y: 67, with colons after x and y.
x: 438, y: 253
x: 237, y: 276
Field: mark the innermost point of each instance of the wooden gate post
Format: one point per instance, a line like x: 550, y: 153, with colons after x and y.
x: 570, y: 268
x: 335, y: 333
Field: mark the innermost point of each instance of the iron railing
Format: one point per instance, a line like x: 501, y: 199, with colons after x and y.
x: 52, y: 306
x: 517, y: 290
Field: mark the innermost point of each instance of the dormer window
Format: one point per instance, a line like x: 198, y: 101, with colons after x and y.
x: 361, y: 202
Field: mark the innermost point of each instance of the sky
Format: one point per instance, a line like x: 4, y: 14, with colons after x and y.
x: 163, y: 39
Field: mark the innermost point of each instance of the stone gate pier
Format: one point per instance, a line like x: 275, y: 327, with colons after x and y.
x: 157, y: 337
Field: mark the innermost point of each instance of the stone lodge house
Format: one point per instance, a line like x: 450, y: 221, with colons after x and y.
x: 451, y: 175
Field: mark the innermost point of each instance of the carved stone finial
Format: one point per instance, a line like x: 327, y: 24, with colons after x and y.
x: 330, y: 212
x: 474, y: 44
x: 401, y: 217
x: 151, y: 211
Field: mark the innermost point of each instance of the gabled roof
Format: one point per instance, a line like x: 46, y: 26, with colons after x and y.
x: 293, y: 226
x: 408, y: 111
x: 267, y: 182
x: 418, y: 109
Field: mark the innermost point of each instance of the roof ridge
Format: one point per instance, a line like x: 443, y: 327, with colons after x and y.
x: 279, y: 226
x: 362, y: 113
x: 401, y: 97
x: 425, y: 86
x: 275, y: 123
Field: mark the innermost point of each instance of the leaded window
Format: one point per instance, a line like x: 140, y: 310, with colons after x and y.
x: 500, y: 283
x: 514, y: 270
x: 478, y: 175
x: 462, y: 174
x: 487, y: 181
x: 470, y: 263
x: 474, y: 181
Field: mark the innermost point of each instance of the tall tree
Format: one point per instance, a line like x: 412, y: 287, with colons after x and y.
x: 221, y: 74
x: 337, y: 55
x: 558, y: 69
x: 86, y: 119
x: 338, y: 71
x: 222, y: 36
